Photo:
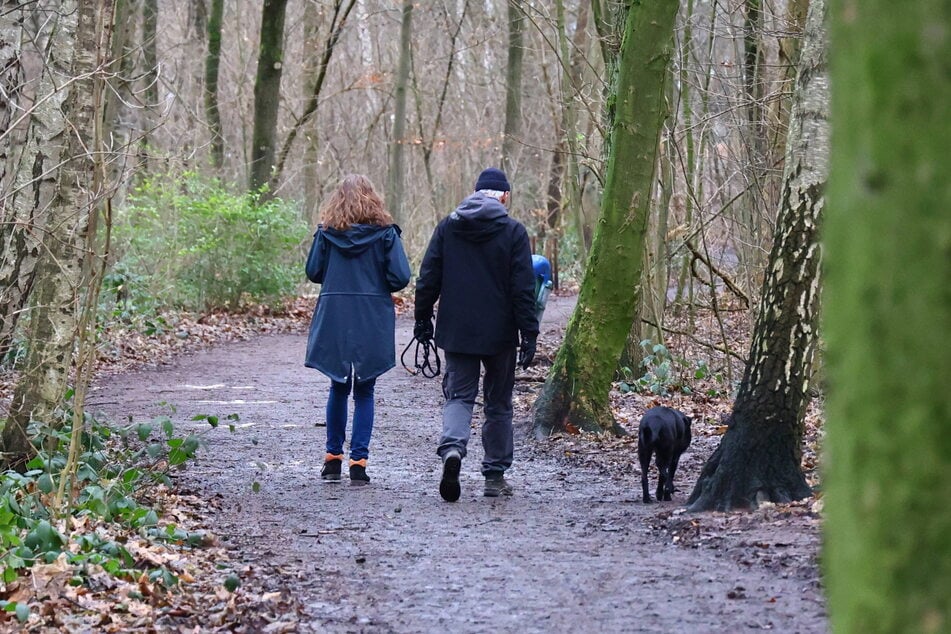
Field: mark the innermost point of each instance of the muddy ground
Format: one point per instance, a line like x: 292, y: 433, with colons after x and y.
x: 573, y: 550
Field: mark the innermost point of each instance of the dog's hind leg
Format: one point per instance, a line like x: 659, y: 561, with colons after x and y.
x: 644, y: 457
x: 664, y: 484
x: 673, y: 471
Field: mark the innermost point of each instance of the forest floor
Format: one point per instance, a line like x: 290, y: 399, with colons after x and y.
x: 574, y: 548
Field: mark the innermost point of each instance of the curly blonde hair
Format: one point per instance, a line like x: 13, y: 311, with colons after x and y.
x: 354, y: 202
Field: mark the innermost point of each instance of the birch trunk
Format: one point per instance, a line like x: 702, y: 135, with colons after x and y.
x: 759, y: 457
x: 37, y: 139
x: 63, y: 272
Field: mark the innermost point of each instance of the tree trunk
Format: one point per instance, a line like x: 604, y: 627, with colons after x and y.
x: 513, y: 86
x: 117, y: 114
x: 759, y: 458
x: 150, y: 13
x: 552, y: 230
x: 63, y: 268
x: 887, y: 556
x: 11, y: 74
x: 310, y: 64
x: 212, y: 61
x: 267, y: 91
x: 36, y: 148
x: 13, y: 292
x: 569, y: 120
x: 395, y: 178
x: 576, y: 391
x: 610, y: 19
x: 198, y: 18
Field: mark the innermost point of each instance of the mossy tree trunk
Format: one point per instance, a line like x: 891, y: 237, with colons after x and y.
x: 576, y: 391
x: 887, y: 458
x: 759, y: 457
x: 267, y: 91
x: 212, y: 64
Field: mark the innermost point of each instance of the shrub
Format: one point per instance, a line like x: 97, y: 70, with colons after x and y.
x: 191, y: 243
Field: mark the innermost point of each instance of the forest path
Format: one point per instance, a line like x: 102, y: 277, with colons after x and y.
x: 570, y: 551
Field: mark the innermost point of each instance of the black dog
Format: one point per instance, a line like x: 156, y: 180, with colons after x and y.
x: 666, y: 432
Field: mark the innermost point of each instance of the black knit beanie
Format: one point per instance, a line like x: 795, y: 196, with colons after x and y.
x: 494, y: 179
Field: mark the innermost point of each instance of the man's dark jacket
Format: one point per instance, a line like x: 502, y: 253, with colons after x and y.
x: 479, y: 266
x: 354, y: 321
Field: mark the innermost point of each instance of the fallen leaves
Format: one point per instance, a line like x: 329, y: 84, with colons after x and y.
x: 209, y: 592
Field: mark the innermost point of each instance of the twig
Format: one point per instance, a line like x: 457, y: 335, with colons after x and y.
x: 722, y: 275
x: 705, y: 344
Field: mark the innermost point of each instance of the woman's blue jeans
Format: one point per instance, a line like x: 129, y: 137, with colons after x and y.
x: 362, y: 417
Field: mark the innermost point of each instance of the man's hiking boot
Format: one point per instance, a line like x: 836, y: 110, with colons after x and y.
x: 495, y: 485
x: 449, y: 485
x: 331, y: 470
x: 358, y: 473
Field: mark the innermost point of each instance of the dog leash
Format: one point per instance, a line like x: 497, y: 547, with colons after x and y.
x: 421, y: 358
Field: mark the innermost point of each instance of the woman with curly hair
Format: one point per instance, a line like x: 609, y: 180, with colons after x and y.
x: 358, y: 259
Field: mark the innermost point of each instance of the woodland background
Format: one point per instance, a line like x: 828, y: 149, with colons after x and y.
x: 167, y: 157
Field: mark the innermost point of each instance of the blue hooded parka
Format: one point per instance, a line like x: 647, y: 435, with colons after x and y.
x: 354, y: 321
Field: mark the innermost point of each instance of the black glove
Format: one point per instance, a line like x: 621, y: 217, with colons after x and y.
x: 527, y: 352
x: 423, y: 331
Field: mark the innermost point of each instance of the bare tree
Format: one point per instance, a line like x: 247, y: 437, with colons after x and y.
x: 150, y: 19
x: 428, y: 140
x: 341, y: 11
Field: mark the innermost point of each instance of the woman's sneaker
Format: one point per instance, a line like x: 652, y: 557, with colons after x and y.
x: 331, y: 470
x: 358, y: 473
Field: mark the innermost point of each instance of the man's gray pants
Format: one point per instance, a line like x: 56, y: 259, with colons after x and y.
x: 460, y: 385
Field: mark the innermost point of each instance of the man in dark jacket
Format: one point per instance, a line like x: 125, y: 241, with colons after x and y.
x: 479, y: 266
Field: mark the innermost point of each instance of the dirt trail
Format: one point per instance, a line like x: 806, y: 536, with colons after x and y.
x: 570, y: 551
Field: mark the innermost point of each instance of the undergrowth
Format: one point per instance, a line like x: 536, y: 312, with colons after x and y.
x: 190, y: 242
x: 118, y: 470
x: 662, y: 373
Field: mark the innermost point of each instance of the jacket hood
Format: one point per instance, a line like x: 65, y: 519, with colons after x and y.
x: 478, y: 218
x: 356, y: 239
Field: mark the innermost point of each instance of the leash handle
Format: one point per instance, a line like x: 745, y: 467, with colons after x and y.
x: 421, y: 361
